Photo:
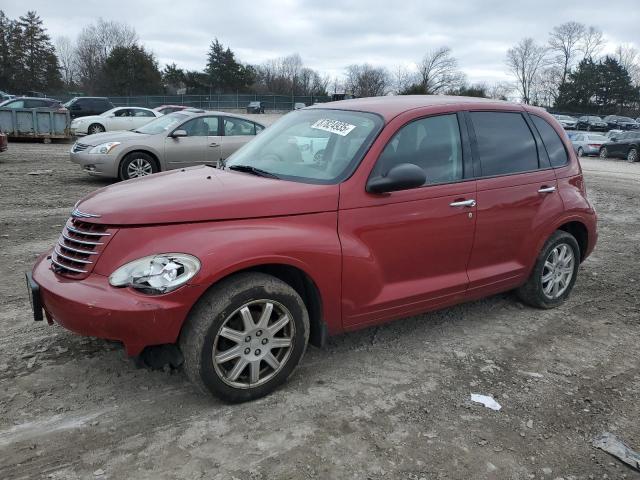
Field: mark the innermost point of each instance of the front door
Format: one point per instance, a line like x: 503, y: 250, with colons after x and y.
x: 407, y: 251
x: 186, y: 151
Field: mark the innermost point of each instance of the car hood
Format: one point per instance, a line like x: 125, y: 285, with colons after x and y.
x: 204, y: 193
x: 118, y: 136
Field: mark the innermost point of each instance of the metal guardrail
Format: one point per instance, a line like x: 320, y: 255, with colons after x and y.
x: 36, y: 124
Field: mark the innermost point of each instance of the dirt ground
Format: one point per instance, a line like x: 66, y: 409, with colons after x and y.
x: 390, y: 402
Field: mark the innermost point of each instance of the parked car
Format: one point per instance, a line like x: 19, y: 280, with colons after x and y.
x: 119, y: 118
x: 4, y: 143
x: 623, y: 146
x: 585, y: 144
x: 621, y: 123
x: 255, y: 107
x: 592, y: 123
x: 613, y: 133
x: 298, y: 105
x: 176, y: 140
x: 34, y: 103
x: 568, y: 123
x: 164, y: 109
x: 86, y: 106
x: 5, y: 96
x: 241, y: 267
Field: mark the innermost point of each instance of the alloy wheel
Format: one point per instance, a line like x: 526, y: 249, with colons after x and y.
x: 253, y: 344
x: 557, y: 271
x: 580, y: 152
x: 139, y: 167
x: 96, y: 129
x: 632, y: 156
x: 603, y: 153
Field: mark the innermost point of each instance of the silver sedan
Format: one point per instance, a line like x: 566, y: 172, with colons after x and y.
x: 177, y: 140
x: 586, y: 144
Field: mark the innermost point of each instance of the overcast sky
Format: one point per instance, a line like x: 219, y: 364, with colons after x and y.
x: 331, y: 34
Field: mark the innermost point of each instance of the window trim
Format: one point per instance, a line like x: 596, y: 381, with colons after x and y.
x: 544, y: 145
x: 476, y: 155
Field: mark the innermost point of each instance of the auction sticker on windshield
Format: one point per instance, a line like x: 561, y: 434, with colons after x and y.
x: 333, y: 126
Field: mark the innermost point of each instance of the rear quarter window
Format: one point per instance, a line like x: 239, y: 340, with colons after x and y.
x: 505, y: 143
x: 555, y: 148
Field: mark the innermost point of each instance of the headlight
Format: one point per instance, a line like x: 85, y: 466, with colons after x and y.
x: 156, y: 274
x: 104, y: 147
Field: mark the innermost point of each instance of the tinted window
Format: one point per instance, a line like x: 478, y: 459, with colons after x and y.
x: 137, y: 112
x: 553, y: 144
x: 431, y: 143
x: 505, y: 143
x: 125, y: 112
x: 259, y: 128
x: 237, y: 127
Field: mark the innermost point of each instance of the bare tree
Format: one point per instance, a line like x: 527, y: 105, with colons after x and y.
x: 402, y: 79
x: 500, y: 90
x: 367, y: 81
x: 94, y: 45
x: 66, y: 53
x: 439, y: 71
x: 592, y: 42
x: 524, y: 61
x: 629, y: 57
x: 565, y: 42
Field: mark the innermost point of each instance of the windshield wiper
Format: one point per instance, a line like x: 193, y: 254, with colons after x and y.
x: 253, y: 170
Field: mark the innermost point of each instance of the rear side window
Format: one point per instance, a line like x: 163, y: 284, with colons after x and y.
x: 505, y: 143
x: 555, y: 148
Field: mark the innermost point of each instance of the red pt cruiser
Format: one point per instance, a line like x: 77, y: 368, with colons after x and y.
x: 337, y: 217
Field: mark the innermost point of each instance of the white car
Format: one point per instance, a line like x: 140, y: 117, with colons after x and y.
x: 119, y: 118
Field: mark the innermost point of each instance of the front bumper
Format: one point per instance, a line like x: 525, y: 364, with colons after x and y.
x: 102, y: 165
x: 92, y: 307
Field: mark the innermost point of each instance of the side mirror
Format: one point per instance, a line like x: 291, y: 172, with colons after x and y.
x: 401, y: 177
x: 179, y: 133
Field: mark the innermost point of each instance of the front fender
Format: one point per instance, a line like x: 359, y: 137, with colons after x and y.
x: 307, y: 242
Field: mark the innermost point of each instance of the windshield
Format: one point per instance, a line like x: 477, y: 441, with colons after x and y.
x: 625, y: 119
x: 595, y: 119
x: 311, y: 146
x: 162, y: 124
x: 564, y: 117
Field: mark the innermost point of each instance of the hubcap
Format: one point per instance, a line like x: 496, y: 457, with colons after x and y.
x: 96, y: 129
x: 139, y: 168
x: 557, y: 271
x: 253, y: 344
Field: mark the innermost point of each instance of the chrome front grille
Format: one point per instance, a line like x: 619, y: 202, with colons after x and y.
x: 79, y: 247
x: 80, y: 147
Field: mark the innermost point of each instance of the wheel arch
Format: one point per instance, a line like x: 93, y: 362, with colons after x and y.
x: 140, y: 150
x: 580, y: 232
x: 302, y: 283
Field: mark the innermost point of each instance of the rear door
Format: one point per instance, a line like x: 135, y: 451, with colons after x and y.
x: 121, y: 120
x: 236, y: 132
x: 517, y: 194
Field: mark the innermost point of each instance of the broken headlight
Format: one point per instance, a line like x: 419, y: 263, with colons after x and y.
x: 156, y: 274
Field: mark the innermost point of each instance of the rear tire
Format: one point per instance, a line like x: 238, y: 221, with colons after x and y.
x: 557, y: 264
x: 137, y: 164
x: 632, y: 156
x: 95, y: 128
x: 219, y: 335
x: 603, y: 153
x: 580, y: 152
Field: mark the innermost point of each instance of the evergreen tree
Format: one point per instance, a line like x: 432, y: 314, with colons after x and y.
x: 173, y: 78
x: 131, y: 71
x: 38, y: 68
x: 225, y: 73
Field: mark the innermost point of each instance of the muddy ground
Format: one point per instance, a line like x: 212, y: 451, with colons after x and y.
x: 390, y: 402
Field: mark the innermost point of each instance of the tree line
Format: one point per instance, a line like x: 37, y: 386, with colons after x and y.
x: 567, y: 72
x: 570, y: 73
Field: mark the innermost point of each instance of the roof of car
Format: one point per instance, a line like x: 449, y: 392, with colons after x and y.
x: 201, y: 113
x: 34, y: 98
x: 391, y: 106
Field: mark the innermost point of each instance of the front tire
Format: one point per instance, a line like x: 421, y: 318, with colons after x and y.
x: 245, y: 337
x: 580, y: 152
x: 554, y: 273
x: 632, y: 156
x: 137, y: 164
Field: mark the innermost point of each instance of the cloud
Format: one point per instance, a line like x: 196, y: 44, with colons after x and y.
x: 332, y: 34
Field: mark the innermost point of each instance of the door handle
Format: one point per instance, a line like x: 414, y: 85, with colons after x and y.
x: 214, y: 144
x: 463, y: 203
x: 545, y: 189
